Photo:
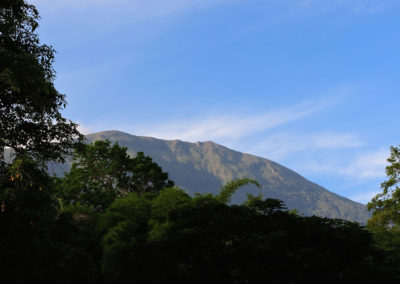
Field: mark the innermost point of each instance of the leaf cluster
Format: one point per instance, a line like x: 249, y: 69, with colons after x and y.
x: 386, y: 205
x: 177, y: 238
x: 30, y: 118
x: 102, y: 172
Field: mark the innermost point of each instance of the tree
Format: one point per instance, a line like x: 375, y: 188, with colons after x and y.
x: 98, y: 175
x: 101, y: 172
x: 385, y: 220
x: 34, y: 246
x: 265, y: 207
x: 386, y: 205
x: 39, y: 244
x: 175, y: 238
x: 27, y: 210
x: 147, y: 176
x: 30, y: 118
x: 231, y: 187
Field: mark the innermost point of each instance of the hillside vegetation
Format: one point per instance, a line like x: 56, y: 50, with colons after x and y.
x: 118, y: 217
x: 205, y: 166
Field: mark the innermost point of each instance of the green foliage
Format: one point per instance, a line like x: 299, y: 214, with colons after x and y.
x: 169, y: 201
x: 102, y: 172
x: 385, y: 220
x: 36, y: 242
x: 125, y: 224
x: 147, y: 176
x: 98, y: 175
x: 386, y: 205
x: 265, y: 207
x: 28, y: 189
x: 173, y: 238
x: 201, y: 167
x: 231, y: 187
x: 152, y: 232
x: 30, y: 120
x: 387, y: 240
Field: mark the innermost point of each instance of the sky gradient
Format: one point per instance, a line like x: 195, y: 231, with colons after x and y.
x: 312, y: 85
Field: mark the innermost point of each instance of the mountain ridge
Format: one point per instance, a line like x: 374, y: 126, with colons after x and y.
x: 204, y: 166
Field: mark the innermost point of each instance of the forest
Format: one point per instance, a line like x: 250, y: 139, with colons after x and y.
x: 119, y: 219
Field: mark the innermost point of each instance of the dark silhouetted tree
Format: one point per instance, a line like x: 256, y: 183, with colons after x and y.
x: 174, y: 238
x: 385, y: 220
x: 30, y: 118
x: 101, y: 172
x: 386, y: 205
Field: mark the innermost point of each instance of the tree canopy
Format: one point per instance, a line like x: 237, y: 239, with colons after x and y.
x: 126, y: 222
x: 102, y: 172
x: 386, y: 205
x: 30, y: 118
x: 33, y: 242
x: 175, y: 238
x: 385, y: 220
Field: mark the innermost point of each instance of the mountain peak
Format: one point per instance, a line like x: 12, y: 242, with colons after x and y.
x: 205, y: 166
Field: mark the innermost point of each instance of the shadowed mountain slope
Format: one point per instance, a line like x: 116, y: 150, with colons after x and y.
x: 205, y: 166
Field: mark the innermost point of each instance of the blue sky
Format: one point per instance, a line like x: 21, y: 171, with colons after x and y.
x: 312, y: 85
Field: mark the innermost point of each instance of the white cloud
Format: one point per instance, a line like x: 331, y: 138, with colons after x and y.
x: 137, y: 10
x: 364, y: 197
x: 227, y: 127
x: 280, y: 146
x: 161, y: 6
x: 368, y: 165
x: 333, y: 140
x: 351, y: 6
x: 362, y: 166
x: 85, y: 129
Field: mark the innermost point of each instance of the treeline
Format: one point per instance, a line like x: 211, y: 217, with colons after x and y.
x: 117, y: 219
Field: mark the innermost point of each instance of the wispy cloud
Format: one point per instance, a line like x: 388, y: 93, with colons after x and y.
x: 84, y: 129
x: 361, y: 166
x: 227, y: 127
x: 280, y: 146
x: 351, y: 6
x: 368, y: 165
x: 137, y: 10
x: 364, y: 197
x: 343, y: 155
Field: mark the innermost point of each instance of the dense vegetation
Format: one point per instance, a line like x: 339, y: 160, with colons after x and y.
x: 118, y: 219
x: 64, y: 231
x: 206, y: 166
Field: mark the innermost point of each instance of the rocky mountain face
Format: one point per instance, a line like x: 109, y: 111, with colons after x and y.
x: 205, y: 166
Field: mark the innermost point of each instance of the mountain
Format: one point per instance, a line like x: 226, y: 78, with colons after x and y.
x: 205, y: 166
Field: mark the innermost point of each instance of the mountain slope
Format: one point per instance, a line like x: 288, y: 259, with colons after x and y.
x: 205, y: 166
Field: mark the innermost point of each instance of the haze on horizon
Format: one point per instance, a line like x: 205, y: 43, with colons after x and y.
x: 309, y: 84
